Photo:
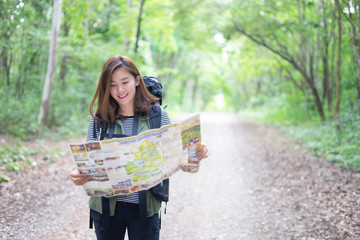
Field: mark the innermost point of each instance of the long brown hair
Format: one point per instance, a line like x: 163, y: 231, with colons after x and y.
x: 108, y: 108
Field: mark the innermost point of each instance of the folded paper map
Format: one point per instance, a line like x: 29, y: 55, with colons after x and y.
x: 120, y: 166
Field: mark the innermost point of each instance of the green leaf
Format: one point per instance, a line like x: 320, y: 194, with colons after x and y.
x: 4, y: 178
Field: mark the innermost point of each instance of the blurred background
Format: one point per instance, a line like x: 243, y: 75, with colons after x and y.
x: 291, y: 63
x: 261, y: 72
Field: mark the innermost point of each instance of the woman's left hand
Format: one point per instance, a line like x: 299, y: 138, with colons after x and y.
x: 202, y: 151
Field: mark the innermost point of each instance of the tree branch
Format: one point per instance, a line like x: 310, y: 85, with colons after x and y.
x: 285, y: 56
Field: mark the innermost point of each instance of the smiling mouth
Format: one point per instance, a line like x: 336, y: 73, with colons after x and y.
x: 123, y: 96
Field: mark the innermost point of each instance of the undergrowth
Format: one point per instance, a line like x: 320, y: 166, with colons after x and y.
x: 341, y: 146
x: 338, y: 141
x: 16, y: 157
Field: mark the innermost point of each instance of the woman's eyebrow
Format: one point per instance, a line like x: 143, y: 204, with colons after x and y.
x: 125, y: 78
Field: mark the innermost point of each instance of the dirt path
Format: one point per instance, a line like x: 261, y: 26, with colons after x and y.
x: 257, y: 184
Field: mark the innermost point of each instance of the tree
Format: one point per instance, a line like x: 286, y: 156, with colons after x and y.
x: 338, y: 63
x: 325, y: 35
x: 281, y: 42
x: 126, y: 42
x: 352, y: 15
x: 139, y: 26
x: 46, y: 97
x: 9, y: 23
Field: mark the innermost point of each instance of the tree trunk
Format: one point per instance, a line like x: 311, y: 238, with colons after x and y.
x: 63, y: 70
x: 316, y: 98
x: 65, y: 58
x: 139, y: 26
x: 45, y: 104
x: 4, y: 64
x: 182, y: 91
x: 126, y: 37
x: 19, y: 85
x: 325, y: 56
x: 194, y: 92
x: 332, y: 70
x: 338, y: 62
x: 108, y: 16
x: 302, y: 47
x: 326, y: 87
x: 358, y: 46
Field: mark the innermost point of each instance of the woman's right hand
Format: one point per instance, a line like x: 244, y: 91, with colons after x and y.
x: 78, y: 178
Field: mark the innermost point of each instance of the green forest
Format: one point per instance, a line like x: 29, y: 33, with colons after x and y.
x: 291, y: 63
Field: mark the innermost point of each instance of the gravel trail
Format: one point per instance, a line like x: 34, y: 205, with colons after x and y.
x: 257, y: 184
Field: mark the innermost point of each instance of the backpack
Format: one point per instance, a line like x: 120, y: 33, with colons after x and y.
x: 154, y: 86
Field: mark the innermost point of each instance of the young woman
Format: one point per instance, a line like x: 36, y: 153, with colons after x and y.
x: 121, y: 94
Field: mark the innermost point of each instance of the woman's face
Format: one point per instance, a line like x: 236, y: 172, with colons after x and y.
x: 122, y: 89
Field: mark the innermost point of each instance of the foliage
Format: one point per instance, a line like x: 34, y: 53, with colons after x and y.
x: 274, y: 58
x: 323, y: 139
x: 18, y: 154
x: 55, y: 154
x: 4, y: 178
x: 15, y: 159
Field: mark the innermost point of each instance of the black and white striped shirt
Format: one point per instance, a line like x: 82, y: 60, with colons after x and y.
x: 128, y: 126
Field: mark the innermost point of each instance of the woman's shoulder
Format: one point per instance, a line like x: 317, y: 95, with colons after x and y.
x: 93, y: 121
x: 164, y: 112
x: 165, y: 119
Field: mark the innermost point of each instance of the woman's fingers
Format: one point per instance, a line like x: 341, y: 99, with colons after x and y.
x: 81, y: 181
x: 78, y: 178
x: 202, y: 151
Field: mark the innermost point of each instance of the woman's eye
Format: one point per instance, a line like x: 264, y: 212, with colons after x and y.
x: 125, y: 82
x: 112, y: 85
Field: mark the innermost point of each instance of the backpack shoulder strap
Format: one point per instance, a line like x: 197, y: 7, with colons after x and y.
x: 95, y: 129
x: 100, y: 128
x: 155, y: 116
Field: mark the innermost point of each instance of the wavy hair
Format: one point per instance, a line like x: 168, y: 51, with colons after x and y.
x: 107, y: 107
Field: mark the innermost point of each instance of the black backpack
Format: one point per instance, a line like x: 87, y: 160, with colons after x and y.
x: 154, y: 86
